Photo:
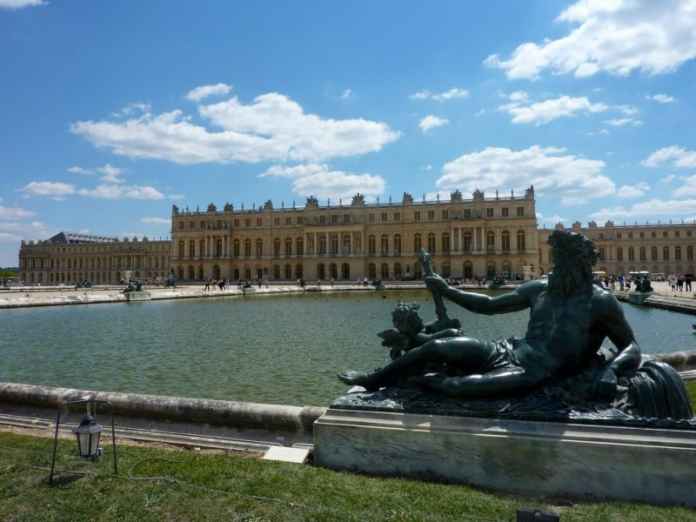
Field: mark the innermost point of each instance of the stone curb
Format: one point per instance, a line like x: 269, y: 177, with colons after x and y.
x: 234, y: 414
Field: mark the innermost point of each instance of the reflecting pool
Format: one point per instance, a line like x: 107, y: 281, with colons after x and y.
x: 279, y: 349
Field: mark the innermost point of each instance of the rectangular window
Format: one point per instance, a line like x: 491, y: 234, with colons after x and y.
x: 445, y: 214
x: 259, y: 222
x: 467, y: 213
x: 334, y: 219
x: 416, y: 216
x: 288, y: 221
x: 397, y: 216
x: 371, y: 218
x: 300, y: 220
x: 384, y: 217
x: 346, y: 219
x: 505, y: 212
x: 489, y: 212
x: 431, y: 215
x: 276, y: 221
x: 322, y: 220
x: 520, y: 211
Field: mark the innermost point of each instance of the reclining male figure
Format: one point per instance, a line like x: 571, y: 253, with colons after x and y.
x: 569, y: 319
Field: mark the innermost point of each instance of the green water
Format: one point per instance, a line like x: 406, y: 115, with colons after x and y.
x: 280, y: 349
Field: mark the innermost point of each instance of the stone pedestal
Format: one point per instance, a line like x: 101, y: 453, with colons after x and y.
x: 638, y: 297
x: 527, y: 457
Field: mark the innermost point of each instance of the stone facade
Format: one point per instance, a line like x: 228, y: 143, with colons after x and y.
x: 72, y: 258
x: 656, y: 248
x: 468, y: 238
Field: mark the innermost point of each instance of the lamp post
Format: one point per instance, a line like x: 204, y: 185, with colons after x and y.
x: 87, y: 433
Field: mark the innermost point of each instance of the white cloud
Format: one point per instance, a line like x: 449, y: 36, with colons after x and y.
x: 205, y: 91
x: 12, y: 232
x: 672, y: 156
x: 54, y: 189
x: 550, y: 170
x: 624, y: 122
x: 668, y: 179
x: 541, y: 113
x: 637, y: 190
x: 518, y: 96
x: 106, y: 191
x: 661, y: 98
x: 551, y: 220
x: 155, y: 221
x: 428, y: 167
x: 111, y: 174
x: 19, y: 4
x: 627, y: 110
x: 600, y: 132
x: 320, y: 181
x: 432, y: 122
x: 272, y: 128
x: 131, y: 109
x: 81, y: 171
x: 450, y: 94
x: 14, y: 213
x: 614, y: 36
x: 346, y: 94
x: 687, y: 189
x: 650, y: 208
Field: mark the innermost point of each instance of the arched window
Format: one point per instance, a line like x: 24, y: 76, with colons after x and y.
x: 276, y: 247
x: 372, y: 271
x: 490, y: 240
x: 200, y: 273
x: 446, y: 270
x: 397, y: 244
x: 677, y: 253
x: 259, y: 248
x: 298, y: 271
x: 247, y: 249
x: 345, y: 271
x: 276, y: 272
x: 397, y: 271
x: 299, y: 246
x: 288, y: 272
x: 385, y: 271
x: 490, y: 270
x: 333, y: 271
x: 653, y: 254
x: 371, y: 245
x: 321, y: 271
x: 445, y: 242
x: 191, y: 273
x: 288, y: 248
x: 417, y: 244
x: 665, y: 253
x: 641, y: 253
x: 631, y: 254
x: 468, y: 270
x: 384, y: 245
x: 619, y: 254
x: 467, y: 241
x: 431, y: 243
x: 521, y: 241
x: 505, y: 241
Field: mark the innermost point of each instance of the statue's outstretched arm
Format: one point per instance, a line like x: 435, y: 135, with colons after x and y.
x: 514, y: 301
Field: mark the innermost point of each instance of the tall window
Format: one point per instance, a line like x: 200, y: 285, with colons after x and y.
x: 235, y: 248
x: 619, y: 254
x: 384, y: 245
x: 431, y: 243
x: 665, y: 253
x: 641, y: 253
x: 371, y: 245
x: 417, y: 245
x: 521, y: 239
x: 288, y: 247
x: 247, y: 247
x: 653, y: 253
x: 631, y: 254
x: 677, y: 253
x: 445, y: 242
x: 467, y: 241
x: 505, y: 241
x: 182, y: 248
x: 334, y: 245
x: 299, y: 246
x: 259, y: 248
x: 490, y: 240
x: 397, y: 244
x: 276, y: 250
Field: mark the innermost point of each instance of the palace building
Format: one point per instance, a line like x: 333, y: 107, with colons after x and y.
x: 656, y: 248
x: 467, y: 238
x: 73, y: 258
x: 479, y: 237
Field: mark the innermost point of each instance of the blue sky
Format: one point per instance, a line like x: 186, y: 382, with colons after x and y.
x: 113, y: 111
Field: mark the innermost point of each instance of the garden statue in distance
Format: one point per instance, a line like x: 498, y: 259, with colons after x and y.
x: 570, y: 317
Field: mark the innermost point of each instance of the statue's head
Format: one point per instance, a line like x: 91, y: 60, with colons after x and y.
x: 406, y: 319
x: 573, y: 256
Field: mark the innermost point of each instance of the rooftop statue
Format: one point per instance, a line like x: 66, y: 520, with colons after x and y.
x: 569, y: 320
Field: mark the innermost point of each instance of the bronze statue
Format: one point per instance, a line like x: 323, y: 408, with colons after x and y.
x: 569, y: 319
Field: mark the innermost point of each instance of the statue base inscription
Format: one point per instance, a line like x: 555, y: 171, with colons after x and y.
x: 526, y: 457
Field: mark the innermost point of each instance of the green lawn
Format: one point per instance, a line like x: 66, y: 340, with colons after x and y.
x: 157, y: 484
x: 691, y: 387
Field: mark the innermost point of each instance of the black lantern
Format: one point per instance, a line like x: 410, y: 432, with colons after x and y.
x: 88, y: 434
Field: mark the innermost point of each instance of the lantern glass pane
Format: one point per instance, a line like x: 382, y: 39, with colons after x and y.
x: 94, y: 443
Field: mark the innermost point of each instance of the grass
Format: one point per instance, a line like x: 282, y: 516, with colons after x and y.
x: 691, y: 388
x: 159, y: 484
